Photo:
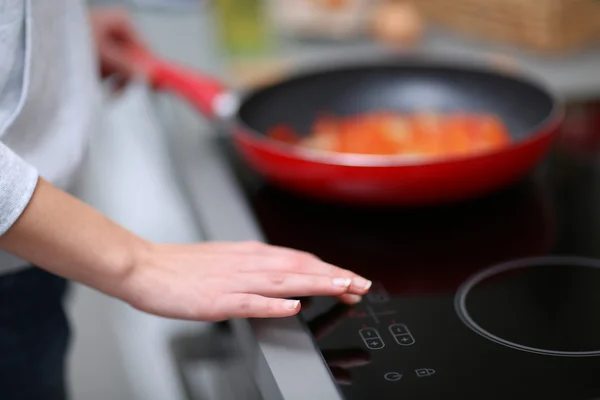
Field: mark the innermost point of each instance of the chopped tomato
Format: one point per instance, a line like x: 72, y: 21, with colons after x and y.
x: 461, y: 135
x: 492, y: 133
x: 284, y: 133
x: 387, y: 133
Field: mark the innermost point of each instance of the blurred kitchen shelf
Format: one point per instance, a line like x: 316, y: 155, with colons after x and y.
x: 155, y: 5
x: 170, y: 5
x: 575, y: 76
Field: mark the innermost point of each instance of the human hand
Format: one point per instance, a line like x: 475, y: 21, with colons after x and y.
x: 219, y: 281
x: 338, y: 360
x: 206, y: 281
x: 114, y: 35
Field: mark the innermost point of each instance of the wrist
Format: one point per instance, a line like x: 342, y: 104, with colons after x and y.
x: 140, y: 273
x: 126, y: 261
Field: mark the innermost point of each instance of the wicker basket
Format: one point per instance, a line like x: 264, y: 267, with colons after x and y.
x: 544, y: 25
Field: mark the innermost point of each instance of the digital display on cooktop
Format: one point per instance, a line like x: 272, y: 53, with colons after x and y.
x: 494, y: 298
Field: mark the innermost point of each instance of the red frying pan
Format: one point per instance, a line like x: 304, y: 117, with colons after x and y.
x: 530, y: 111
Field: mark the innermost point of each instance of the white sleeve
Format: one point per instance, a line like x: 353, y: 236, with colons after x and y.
x: 18, y: 180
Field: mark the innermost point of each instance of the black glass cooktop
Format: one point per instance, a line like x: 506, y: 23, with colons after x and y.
x: 495, y: 298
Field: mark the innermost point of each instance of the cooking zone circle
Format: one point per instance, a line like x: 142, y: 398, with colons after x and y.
x: 546, y: 305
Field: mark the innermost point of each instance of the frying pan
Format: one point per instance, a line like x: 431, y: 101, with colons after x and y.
x: 532, y: 113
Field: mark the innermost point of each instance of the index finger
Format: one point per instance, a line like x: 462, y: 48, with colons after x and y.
x: 297, y: 261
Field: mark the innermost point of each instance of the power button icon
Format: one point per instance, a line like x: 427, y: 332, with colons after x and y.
x: 392, y: 376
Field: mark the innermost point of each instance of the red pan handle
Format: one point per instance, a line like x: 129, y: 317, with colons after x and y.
x: 201, y: 91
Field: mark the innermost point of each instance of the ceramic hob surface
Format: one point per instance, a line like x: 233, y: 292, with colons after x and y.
x: 495, y: 298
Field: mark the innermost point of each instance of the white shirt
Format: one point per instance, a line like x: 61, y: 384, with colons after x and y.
x: 49, y: 97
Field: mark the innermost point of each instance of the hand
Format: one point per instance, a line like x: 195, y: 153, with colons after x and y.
x: 218, y: 281
x: 113, y: 34
x: 338, y: 360
x: 208, y: 281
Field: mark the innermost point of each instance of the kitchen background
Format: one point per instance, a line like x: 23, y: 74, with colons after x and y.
x: 122, y: 354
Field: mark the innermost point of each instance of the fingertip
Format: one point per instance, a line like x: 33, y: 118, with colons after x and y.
x: 288, y: 308
x: 343, y: 283
x: 292, y: 313
x: 350, y: 299
x: 281, y: 313
x: 361, y: 285
x: 293, y: 305
x: 333, y: 291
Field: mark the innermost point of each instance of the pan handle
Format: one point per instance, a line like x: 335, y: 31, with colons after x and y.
x: 205, y: 93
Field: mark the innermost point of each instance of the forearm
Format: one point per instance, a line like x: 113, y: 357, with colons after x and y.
x: 208, y: 282
x: 67, y: 237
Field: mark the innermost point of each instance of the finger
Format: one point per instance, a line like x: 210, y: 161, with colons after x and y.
x: 276, y: 258
x: 290, y: 285
x: 304, y: 265
x: 350, y: 299
x: 105, y: 71
x: 118, y: 84
x: 245, y: 305
x: 307, y: 263
x: 283, y: 259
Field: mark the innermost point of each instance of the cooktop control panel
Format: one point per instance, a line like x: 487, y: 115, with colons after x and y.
x: 370, y: 342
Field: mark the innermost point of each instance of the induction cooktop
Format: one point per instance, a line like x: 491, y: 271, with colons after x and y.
x: 494, y: 298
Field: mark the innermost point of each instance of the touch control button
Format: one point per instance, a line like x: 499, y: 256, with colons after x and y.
x: 399, y: 329
x: 371, y: 338
x: 404, y: 340
x: 401, y: 334
x: 423, y: 372
x: 375, y: 344
x: 368, y: 333
x: 392, y: 376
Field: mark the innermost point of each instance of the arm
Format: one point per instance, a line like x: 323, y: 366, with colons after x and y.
x: 208, y: 281
x: 212, y: 281
x: 69, y: 238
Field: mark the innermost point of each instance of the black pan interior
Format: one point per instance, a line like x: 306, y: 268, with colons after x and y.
x: 521, y: 104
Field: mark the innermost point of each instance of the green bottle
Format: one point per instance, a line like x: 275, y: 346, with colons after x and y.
x: 243, y: 26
